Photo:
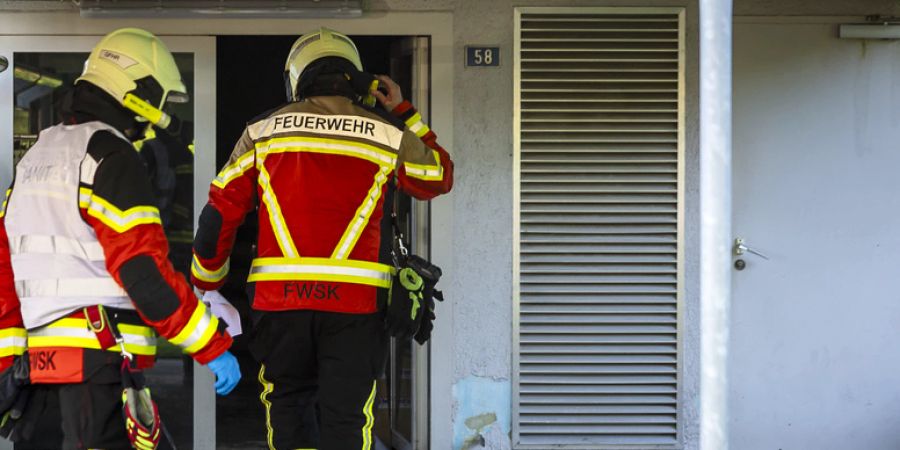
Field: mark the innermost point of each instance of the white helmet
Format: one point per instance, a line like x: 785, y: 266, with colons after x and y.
x: 136, y: 69
x: 312, y: 46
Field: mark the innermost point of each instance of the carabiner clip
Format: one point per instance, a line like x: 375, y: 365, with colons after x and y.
x: 125, y: 353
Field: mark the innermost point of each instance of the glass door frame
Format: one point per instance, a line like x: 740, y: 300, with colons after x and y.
x: 204, y: 50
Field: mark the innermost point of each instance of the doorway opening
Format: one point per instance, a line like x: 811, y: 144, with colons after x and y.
x: 249, y: 82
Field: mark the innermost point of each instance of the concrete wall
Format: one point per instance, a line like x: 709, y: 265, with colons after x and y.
x: 482, y: 315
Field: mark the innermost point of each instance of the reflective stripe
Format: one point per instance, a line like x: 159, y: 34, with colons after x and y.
x: 198, y: 331
x: 115, y: 218
x: 61, y: 245
x: 279, y: 227
x: 416, y: 125
x: 264, y: 398
x: 235, y: 170
x: 427, y: 172
x: 74, y: 332
x: 209, y: 276
x: 321, y: 269
x: 12, y: 341
x: 5, y: 201
x: 370, y: 420
x: 361, y: 217
x: 328, y: 146
x: 70, y: 287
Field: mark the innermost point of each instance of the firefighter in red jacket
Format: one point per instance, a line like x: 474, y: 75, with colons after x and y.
x: 318, y: 169
x: 83, y: 255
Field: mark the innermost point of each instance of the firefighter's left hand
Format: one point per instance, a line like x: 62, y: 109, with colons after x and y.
x: 227, y: 372
x: 394, y: 96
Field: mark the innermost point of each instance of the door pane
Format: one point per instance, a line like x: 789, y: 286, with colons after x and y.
x: 41, y: 81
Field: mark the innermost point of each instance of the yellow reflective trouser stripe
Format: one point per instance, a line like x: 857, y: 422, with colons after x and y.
x: 198, y: 331
x: 115, y: 218
x: 427, y: 172
x: 12, y: 341
x: 361, y: 217
x: 209, y: 276
x: 73, y: 332
x: 279, y: 227
x: 370, y: 420
x: 321, y: 269
x: 329, y: 146
x: 264, y: 398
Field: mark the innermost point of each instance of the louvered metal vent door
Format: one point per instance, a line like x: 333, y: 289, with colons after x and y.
x: 598, y: 226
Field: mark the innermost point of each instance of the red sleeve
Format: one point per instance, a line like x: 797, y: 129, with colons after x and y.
x: 232, y: 195
x: 119, y: 206
x: 423, y: 171
x: 12, y: 331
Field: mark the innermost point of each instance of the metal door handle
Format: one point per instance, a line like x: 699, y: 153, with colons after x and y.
x: 740, y: 247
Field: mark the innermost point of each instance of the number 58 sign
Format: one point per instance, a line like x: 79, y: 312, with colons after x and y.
x: 482, y: 56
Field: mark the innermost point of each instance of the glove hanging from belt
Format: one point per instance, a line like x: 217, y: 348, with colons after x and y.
x: 410, y: 308
x: 142, y: 422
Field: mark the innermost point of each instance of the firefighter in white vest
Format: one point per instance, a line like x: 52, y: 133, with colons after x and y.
x: 85, y: 283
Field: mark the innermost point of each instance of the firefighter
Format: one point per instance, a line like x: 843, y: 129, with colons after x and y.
x: 85, y: 283
x: 318, y: 169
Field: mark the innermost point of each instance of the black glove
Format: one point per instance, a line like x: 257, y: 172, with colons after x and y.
x: 424, y: 334
x: 19, y: 410
x: 430, y: 274
x: 405, y: 304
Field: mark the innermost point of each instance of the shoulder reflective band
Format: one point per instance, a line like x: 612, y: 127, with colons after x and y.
x: 329, y: 146
x: 12, y: 341
x: 321, y: 269
x: 146, y: 110
x: 427, y: 172
x: 198, y: 331
x: 113, y: 217
x: 208, y: 275
x: 74, y: 332
x: 70, y: 287
x: 58, y: 245
x: 235, y: 170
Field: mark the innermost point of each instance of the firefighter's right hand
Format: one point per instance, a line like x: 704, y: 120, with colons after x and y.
x: 394, y: 95
x: 227, y: 372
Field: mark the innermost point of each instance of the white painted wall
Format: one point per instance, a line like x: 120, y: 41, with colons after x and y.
x: 816, y: 154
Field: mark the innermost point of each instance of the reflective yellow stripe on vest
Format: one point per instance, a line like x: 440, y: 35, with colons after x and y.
x: 74, y: 332
x: 321, y: 269
x: 12, y: 341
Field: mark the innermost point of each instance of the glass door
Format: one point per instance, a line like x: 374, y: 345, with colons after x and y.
x: 39, y: 70
x: 408, y: 370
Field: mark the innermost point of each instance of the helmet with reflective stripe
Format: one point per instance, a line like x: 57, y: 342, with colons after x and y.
x: 312, y: 46
x: 136, y: 69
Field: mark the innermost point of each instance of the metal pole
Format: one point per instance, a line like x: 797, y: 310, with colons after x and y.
x: 715, y: 222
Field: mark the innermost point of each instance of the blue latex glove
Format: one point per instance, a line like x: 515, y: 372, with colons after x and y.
x: 227, y: 372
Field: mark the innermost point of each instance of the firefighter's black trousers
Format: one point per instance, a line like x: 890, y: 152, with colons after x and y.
x: 318, y: 377
x: 91, y: 411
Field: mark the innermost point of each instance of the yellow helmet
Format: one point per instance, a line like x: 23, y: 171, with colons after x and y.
x: 136, y: 69
x: 311, y: 46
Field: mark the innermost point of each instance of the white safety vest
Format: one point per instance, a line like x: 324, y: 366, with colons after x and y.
x: 58, y: 263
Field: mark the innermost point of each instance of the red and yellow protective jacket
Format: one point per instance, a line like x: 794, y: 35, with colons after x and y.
x: 318, y: 170
x: 79, y: 227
